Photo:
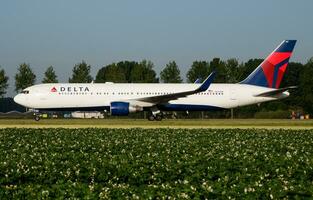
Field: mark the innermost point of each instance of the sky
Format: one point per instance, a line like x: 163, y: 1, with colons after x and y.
x: 62, y: 33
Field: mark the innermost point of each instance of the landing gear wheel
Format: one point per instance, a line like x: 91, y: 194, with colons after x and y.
x: 151, y: 118
x: 158, y: 117
x: 37, y: 118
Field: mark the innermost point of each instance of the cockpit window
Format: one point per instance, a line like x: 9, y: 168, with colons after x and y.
x: 25, y: 92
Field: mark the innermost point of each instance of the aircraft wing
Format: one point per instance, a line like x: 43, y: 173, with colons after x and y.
x: 168, y: 97
x: 197, y: 81
x: 275, y: 92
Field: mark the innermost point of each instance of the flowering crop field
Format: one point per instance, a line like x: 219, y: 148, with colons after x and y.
x: 156, y: 163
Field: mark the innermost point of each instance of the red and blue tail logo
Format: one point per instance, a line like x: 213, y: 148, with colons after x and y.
x: 271, y: 71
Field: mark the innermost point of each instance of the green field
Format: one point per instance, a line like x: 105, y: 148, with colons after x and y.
x: 156, y: 163
x: 141, y: 123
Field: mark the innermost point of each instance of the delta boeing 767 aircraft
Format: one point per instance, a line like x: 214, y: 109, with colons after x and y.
x: 120, y: 99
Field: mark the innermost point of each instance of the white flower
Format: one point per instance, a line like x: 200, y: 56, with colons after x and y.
x: 288, y: 154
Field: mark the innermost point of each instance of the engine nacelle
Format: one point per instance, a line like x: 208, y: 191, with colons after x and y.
x: 120, y: 108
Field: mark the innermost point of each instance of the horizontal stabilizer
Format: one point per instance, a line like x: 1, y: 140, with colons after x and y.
x: 275, y: 92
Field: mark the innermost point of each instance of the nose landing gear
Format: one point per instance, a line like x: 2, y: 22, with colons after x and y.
x: 37, y: 117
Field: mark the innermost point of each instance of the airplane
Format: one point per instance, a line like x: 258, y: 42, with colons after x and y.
x: 120, y: 99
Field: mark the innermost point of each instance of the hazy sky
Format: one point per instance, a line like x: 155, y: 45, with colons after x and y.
x: 64, y: 32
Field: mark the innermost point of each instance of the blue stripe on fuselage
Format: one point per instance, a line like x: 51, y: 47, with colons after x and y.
x: 165, y: 107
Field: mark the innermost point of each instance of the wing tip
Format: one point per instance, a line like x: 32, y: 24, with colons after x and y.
x: 207, y: 82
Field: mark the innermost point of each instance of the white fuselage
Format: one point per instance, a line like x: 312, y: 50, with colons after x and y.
x: 77, y: 96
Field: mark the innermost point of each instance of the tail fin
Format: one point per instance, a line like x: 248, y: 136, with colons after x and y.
x: 270, y: 72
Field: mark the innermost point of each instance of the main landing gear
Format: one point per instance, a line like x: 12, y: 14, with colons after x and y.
x: 158, y: 117
x: 155, y: 115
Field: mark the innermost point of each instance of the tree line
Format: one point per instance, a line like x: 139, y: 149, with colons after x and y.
x: 228, y: 71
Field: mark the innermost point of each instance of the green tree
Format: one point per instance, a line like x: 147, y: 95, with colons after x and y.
x: 50, y: 76
x: 143, y: 73
x: 111, y: 73
x: 171, y: 73
x: 101, y: 75
x: 198, y: 69
x: 292, y: 78
x: 3, y: 82
x: 127, y: 72
x: 292, y: 74
x: 24, y: 78
x: 306, y: 87
x: 232, y: 71
x: 126, y: 67
x: 248, y: 67
x: 81, y: 73
x: 219, y: 66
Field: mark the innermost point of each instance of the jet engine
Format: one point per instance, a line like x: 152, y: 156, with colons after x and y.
x: 119, y: 108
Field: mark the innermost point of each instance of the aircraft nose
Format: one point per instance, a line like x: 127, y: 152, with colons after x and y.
x: 19, y: 99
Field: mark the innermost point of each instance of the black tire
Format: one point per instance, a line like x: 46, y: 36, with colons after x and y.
x: 158, y: 117
x: 37, y: 118
x: 151, y: 118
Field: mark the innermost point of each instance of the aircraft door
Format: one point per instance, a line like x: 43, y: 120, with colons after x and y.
x: 233, y: 97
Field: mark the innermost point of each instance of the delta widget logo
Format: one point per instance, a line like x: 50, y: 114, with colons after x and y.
x: 53, y: 89
x: 274, y: 68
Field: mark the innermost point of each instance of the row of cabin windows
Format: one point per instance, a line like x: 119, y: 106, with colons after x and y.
x: 131, y: 93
